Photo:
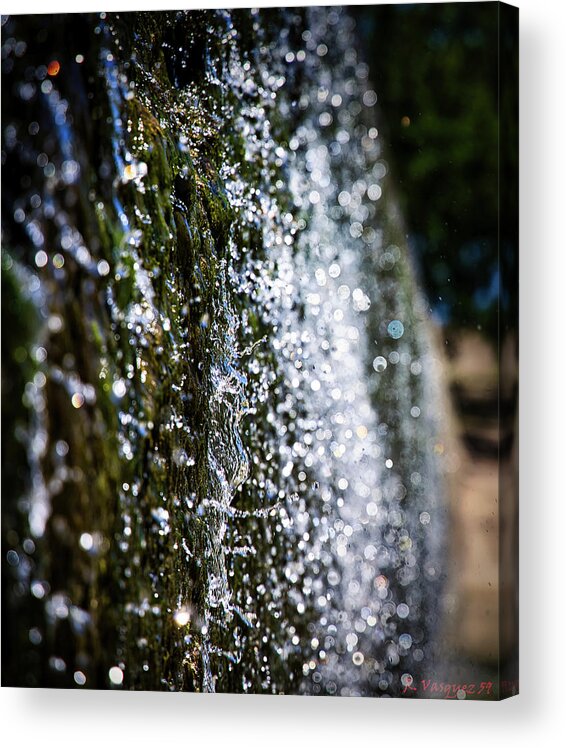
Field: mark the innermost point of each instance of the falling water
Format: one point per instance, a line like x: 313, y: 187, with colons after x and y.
x: 371, y: 562
x: 223, y: 310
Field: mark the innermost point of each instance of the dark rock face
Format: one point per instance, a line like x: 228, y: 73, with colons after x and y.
x: 173, y: 501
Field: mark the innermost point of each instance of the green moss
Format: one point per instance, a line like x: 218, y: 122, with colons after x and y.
x: 157, y: 324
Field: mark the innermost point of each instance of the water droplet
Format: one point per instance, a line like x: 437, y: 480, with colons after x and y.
x: 35, y: 636
x: 119, y: 388
x: 357, y: 658
x: 380, y: 363
x: 374, y: 192
x: 369, y: 98
x: 116, y: 676
x: 182, y: 617
x: 80, y: 678
x: 38, y: 590
x: 77, y: 400
x: 41, y: 259
x: 402, y: 610
x: 103, y: 268
x: 53, y: 68
x: 395, y: 329
x: 12, y: 558
x: 86, y: 541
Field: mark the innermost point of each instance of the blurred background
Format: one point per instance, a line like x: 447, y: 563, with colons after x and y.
x: 447, y: 98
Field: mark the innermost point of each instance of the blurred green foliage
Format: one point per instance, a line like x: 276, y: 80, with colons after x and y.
x: 435, y: 72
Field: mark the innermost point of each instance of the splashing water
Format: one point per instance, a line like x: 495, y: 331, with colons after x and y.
x: 260, y: 505
x: 368, y: 551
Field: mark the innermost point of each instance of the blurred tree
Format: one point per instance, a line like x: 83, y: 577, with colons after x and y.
x: 435, y: 71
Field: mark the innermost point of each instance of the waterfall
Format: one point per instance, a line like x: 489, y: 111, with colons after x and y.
x: 231, y: 409
x: 374, y: 560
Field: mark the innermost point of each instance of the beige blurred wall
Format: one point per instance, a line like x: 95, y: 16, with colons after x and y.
x: 482, y: 489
